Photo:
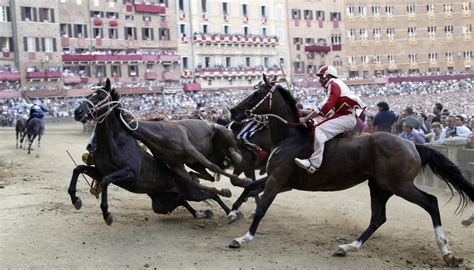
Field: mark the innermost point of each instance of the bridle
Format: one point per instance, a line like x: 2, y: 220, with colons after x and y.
x: 110, y: 104
x: 268, y: 95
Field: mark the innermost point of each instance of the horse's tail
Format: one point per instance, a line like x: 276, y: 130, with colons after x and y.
x: 227, y: 140
x: 448, y: 172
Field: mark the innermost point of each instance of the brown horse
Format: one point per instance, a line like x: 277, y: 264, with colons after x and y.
x: 388, y: 162
x: 19, y: 127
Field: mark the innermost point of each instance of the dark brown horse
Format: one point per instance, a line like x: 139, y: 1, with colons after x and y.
x: 119, y: 160
x: 34, y: 129
x: 388, y: 162
x: 19, y: 127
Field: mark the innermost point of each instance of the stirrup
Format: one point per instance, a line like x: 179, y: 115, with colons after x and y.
x: 310, y: 168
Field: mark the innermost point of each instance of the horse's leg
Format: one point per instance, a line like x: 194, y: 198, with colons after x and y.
x: 39, y: 140
x: 378, y: 201
x: 196, y: 214
x: 30, y: 142
x: 257, y: 187
x: 272, y: 188
x: 17, y: 139
x: 196, y: 155
x: 411, y: 193
x: 184, y: 175
x: 91, y: 172
x: 201, y: 172
x: 221, y: 203
x: 124, y: 174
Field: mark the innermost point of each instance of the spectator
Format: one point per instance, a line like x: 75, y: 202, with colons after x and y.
x: 438, y: 108
x: 437, y: 135
x: 409, y: 117
x: 461, y: 129
x: 410, y: 134
x: 454, y: 130
x: 385, y: 118
x: 369, y: 128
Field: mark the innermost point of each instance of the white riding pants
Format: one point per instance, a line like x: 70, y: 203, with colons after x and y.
x: 328, y: 129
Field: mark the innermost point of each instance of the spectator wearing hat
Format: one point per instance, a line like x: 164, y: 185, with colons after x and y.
x: 410, y: 134
x: 385, y: 118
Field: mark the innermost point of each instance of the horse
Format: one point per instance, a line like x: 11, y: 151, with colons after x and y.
x: 120, y: 160
x: 388, y: 162
x: 19, y: 127
x: 35, y: 128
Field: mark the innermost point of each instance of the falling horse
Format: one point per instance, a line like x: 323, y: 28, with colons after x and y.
x: 34, y: 129
x: 119, y: 160
x: 19, y: 127
x: 388, y: 162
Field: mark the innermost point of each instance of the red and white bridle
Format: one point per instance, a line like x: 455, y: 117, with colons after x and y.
x: 104, y: 103
x: 268, y: 95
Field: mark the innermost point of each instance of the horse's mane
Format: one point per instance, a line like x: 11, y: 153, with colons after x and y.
x: 114, y: 94
x: 289, y: 98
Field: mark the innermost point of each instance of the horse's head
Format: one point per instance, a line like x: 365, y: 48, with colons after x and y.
x: 97, y: 105
x: 259, y: 102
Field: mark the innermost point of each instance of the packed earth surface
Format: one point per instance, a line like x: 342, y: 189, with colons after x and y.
x: 41, y: 228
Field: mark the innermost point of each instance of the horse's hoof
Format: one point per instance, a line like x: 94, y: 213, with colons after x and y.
x: 208, y: 213
x: 340, y: 252
x: 226, y: 193
x: 78, y: 204
x: 234, y: 216
x: 109, y: 220
x: 234, y: 244
x: 452, y: 261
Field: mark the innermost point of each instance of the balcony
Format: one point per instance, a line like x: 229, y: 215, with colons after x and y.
x: 191, y: 86
x: 78, y: 58
x: 336, y: 47
x: 167, y: 75
x: 236, y: 72
x: 84, y: 79
x: 150, y: 75
x: 150, y: 8
x: 72, y: 80
x: 120, y: 58
x: 54, y: 74
x: 10, y: 76
x: 234, y: 39
x: 317, y: 48
x: 169, y: 58
x: 35, y: 75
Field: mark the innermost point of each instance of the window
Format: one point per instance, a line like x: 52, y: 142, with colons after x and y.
x: 449, y: 56
x: 376, y: 10
x: 205, y: 28
x: 279, y: 13
x: 364, y: 34
x: 116, y: 71
x: 413, y: 57
x: 185, y: 63
x: 363, y: 11
x: 49, y: 44
x: 389, y: 10
x: 264, y: 31
x: 411, y: 9
x: 263, y: 11
x: 97, y: 14
x: 266, y: 62
x: 130, y: 33
x: 112, y: 15
x: 308, y: 14
x: 226, y: 29
x: 364, y: 59
x: 279, y: 34
x: 433, y: 57
x: 113, y: 33
x: 448, y: 30
x: 412, y: 32
x: 7, y: 43
x: 296, y: 14
x: 129, y: 18
x: 350, y: 11
x: 98, y: 33
x: 225, y: 8
x: 147, y: 18
x: 100, y: 71
x: 4, y: 14
x: 46, y: 15
x: 467, y: 55
x: 207, y: 61
x: 467, y: 29
x: 391, y: 59
x: 351, y: 34
x: 432, y: 31
x: 65, y: 30
x: 351, y: 60
x: 377, y: 33
x: 247, y: 61
x: 147, y: 34
x: 466, y: 6
x: 133, y: 71
x: 335, y: 16
x: 320, y: 16
x: 390, y: 33
x: 336, y: 39
x: 181, y: 5
x: 430, y: 8
x: 378, y: 59
x: 28, y: 14
x: 164, y: 33
x: 204, y: 6
x: 448, y: 8
x: 245, y: 12
x: 246, y: 31
x: 80, y: 31
x: 182, y: 29
x: 228, y: 62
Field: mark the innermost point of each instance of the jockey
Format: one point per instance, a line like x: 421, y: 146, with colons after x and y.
x: 346, y: 105
x: 36, y: 111
x: 249, y: 129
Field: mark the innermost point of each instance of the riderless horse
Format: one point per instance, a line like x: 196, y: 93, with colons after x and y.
x: 389, y: 163
x: 120, y: 160
x: 19, y: 127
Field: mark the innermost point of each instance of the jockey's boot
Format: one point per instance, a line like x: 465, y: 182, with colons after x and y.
x: 306, y: 164
x: 261, y: 156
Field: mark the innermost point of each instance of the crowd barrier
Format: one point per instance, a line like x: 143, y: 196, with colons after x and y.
x: 64, y: 119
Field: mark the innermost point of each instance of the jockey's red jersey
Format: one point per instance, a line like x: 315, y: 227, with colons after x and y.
x: 340, y: 99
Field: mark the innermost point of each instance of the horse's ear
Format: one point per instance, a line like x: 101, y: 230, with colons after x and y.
x: 274, y: 79
x: 107, y: 84
x: 265, y: 79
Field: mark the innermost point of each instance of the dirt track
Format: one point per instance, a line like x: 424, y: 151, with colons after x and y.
x: 41, y: 228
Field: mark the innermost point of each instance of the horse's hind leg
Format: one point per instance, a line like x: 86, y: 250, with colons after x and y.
x: 39, y: 140
x: 378, y: 201
x: 30, y: 143
x: 255, y: 187
x: 197, y: 214
x: 411, y: 193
